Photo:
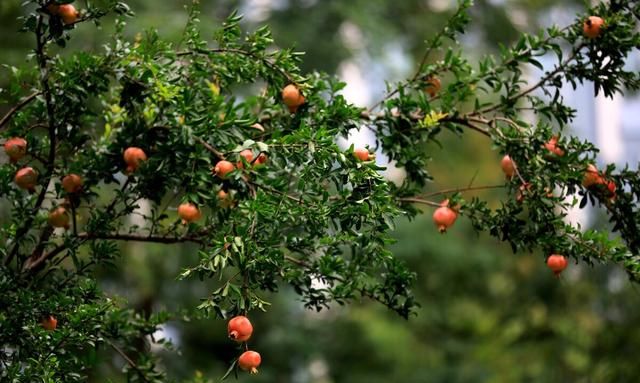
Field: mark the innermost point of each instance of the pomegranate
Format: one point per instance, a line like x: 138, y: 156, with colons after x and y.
x: 557, y: 263
x: 222, y: 195
x: 361, y: 153
x: 132, y: 157
x: 26, y: 178
x: 292, y: 97
x: 552, y: 146
x: 592, y: 177
x: 508, y: 166
x: 16, y: 148
x: 611, y: 189
x: 249, y: 361
x: 433, y: 86
x: 68, y: 13
x: 49, y: 323
x: 189, y: 213
x: 262, y: 159
x: 444, y: 216
x: 247, y: 154
x: 72, y: 183
x: 240, y: 328
x: 59, y: 217
x: 223, y: 168
x: 592, y: 27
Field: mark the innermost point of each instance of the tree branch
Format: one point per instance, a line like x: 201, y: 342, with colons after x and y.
x: 17, y: 108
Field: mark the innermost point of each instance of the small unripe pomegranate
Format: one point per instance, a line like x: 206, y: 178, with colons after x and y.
x: 49, y: 323
x: 68, y: 13
x: 434, y: 85
x: 72, y: 183
x: 292, y: 97
x: 247, y: 154
x: 592, y: 27
x: 59, y: 217
x: 132, y: 157
x: 189, y: 212
x: 223, y: 168
x: 552, y: 146
x: 16, y: 148
x: 26, y: 178
x: 592, y: 177
x: 250, y: 361
x: 557, y: 263
x: 361, y: 153
x: 222, y: 195
x: 508, y: 166
x: 240, y: 328
x: 444, y: 217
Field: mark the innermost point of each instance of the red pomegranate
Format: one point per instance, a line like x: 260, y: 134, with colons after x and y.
x: 72, y: 183
x: 444, y: 217
x: 59, y: 217
x: 508, y: 166
x: 552, y: 146
x: 223, y: 168
x: 189, y: 212
x: 262, y: 159
x: 247, y: 154
x: 49, y: 323
x: 26, y: 178
x: 132, y: 157
x: 16, y: 148
x: 240, y: 328
x: 557, y: 263
x: 250, y: 361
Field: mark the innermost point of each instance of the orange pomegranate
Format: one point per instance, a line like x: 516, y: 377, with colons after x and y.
x: 250, y: 361
x: 16, y: 148
x: 552, y: 146
x: 26, y: 178
x: 223, y: 168
x: 444, y: 217
x: 508, y: 166
x: 189, y: 212
x: 592, y: 177
x: 49, y: 323
x: 72, y: 183
x: 557, y: 263
x: 68, y: 13
x: 292, y: 97
x: 592, y: 26
x: 434, y: 85
x: 240, y: 328
x: 133, y: 157
x: 361, y: 153
x: 59, y: 217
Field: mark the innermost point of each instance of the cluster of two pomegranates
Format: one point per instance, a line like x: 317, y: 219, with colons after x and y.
x: 66, y: 12
x: 240, y: 330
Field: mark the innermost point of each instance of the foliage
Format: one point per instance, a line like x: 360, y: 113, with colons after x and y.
x: 313, y: 217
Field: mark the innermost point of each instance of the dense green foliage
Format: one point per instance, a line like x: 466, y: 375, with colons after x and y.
x: 313, y: 217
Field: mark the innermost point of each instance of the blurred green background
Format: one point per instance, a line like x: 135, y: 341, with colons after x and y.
x: 487, y: 315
